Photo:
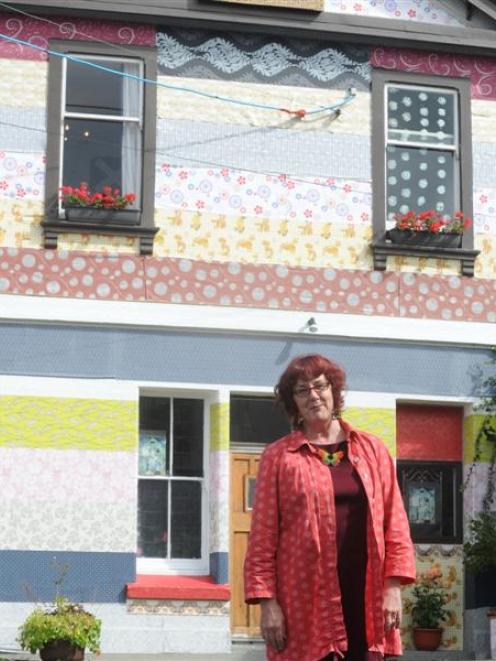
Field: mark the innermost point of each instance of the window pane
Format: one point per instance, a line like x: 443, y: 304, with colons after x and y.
x: 152, y: 518
x: 101, y: 154
x: 186, y: 520
x: 188, y: 437
x: 154, y: 424
x: 421, y: 115
x: 433, y: 500
x: 93, y: 91
x: 420, y: 179
x: 257, y: 420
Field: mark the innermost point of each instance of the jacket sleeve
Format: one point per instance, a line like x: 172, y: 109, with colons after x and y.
x: 260, y: 560
x: 399, y: 559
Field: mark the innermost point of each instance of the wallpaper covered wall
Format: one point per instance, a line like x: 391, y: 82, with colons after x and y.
x: 68, y: 471
x: 243, y: 183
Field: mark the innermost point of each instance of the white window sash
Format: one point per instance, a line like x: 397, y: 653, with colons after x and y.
x: 132, y: 127
x: 168, y: 565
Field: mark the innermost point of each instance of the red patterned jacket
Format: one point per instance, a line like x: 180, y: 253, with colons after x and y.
x: 292, y: 551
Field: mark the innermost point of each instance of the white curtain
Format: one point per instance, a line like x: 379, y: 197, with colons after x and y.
x: 132, y: 104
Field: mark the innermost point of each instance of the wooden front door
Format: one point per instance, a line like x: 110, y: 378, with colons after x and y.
x: 245, y: 620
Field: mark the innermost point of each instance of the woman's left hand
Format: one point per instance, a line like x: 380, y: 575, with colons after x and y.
x: 392, y: 604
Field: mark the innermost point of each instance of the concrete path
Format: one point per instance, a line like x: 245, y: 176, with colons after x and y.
x: 240, y: 652
x: 245, y: 652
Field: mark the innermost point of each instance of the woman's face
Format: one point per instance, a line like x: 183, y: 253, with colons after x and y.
x: 314, y: 400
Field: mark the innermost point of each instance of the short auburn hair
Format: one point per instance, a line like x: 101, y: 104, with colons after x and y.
x: 308, y: 368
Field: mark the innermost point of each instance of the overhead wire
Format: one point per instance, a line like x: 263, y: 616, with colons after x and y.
x: 301, y: 112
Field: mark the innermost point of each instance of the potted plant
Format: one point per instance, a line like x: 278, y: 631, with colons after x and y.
x: 429, y: 610
x: 429, y: 228
x: 60, y: 632
x: 83, y: 205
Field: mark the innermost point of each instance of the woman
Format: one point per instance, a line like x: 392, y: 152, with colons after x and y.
x: 329, y: 544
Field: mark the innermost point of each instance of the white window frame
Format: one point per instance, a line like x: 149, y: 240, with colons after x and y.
x: 197, y: 566
x: 64, y: 114
x: 431, y: 146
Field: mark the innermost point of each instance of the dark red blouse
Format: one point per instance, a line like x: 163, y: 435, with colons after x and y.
x: 351, y: 540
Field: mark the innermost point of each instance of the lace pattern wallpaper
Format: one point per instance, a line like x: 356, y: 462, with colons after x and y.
x: 261, y: 59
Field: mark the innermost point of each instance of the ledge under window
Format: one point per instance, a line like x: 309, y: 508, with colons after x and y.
x: 383, y: 248
x: 53, y: 227
x: 177, y: 587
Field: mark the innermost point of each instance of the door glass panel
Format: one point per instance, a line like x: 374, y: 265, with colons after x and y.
x: 257, y: 420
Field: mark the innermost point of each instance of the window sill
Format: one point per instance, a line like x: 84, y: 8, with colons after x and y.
x: 53, y: 227
x: 382, y: 248
x: 201, y: 588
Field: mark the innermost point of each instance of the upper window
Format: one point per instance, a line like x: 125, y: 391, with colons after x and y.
x: 421, y: 158
x: 422, y: 150
x: 171, y: 476
x: 101, y: 119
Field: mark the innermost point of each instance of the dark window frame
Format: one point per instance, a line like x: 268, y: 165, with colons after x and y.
x: 381, y: 246
x: 420, y: 534
x: 52, y: 225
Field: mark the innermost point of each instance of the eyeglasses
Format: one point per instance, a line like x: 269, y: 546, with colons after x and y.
x: 305, y: 391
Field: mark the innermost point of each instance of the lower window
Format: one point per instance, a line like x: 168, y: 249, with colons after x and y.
x: 433, y: 500
x: 170, y: 482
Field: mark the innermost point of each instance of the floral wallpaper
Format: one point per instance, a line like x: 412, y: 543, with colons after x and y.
x: 425, y: 11
x: 67, y: 499
x: 227, y: 192
x: 449, y: 561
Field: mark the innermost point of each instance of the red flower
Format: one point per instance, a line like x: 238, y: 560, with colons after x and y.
x: 109, y: 198
x: 432, y: 221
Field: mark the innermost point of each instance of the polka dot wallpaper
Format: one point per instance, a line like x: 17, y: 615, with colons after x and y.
x: 173, y: 280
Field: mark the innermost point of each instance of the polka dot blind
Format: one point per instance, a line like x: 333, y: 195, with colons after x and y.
x: 422, y: 141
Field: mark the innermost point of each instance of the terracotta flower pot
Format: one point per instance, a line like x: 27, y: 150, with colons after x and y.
x: 61, y: 650
x: 427, y: 639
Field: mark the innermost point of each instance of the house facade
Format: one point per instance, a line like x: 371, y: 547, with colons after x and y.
x: 266, y: 147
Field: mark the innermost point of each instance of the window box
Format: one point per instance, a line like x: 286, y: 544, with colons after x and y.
x: 407, y: 238
x: 99, y: 215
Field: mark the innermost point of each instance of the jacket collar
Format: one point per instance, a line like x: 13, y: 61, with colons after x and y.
x: 297, y: 438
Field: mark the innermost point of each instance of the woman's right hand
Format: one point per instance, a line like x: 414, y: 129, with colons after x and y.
x: 272, y: 624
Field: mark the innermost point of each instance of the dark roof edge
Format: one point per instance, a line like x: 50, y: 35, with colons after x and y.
x: 489, y: 8
x: 356, y: 29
